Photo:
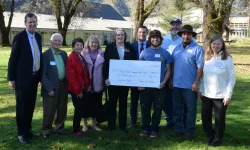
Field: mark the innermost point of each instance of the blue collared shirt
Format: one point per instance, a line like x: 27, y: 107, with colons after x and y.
x: 169, y: 43
x: 186, y: 63
x: 32, y: 48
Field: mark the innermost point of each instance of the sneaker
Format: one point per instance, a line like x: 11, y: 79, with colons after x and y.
x: 84, y: 128
x: 153, y: 134
x: 78, y: 133
x: 144, y: 133
x: 96, y: 128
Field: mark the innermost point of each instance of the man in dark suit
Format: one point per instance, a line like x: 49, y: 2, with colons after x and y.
x: 54, y: 87
x: 138, y: 46
x: 24, y: 73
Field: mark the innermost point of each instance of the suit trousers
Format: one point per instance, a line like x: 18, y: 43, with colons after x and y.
x: 55, y: 108
x: 25, y: 105
x: 117, y: 93
x: 134, y: 98
x: 149, y: 97
x: 208, y: 104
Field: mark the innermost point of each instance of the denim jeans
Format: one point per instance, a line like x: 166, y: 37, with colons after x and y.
x: 168, y: 106
x: 184, y: 98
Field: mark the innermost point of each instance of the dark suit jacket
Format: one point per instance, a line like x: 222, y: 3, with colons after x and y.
x: 20, y: 67
x: 112, y: 53
x: 50, y: 79
x: 135, y: 46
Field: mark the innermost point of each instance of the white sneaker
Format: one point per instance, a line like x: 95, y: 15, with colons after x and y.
x: 96, y: 128
x: 84, y: 128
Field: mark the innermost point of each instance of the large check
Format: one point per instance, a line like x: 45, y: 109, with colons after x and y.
x: 135, y: 73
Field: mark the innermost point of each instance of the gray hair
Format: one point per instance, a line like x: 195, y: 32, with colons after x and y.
x: 56, y: 34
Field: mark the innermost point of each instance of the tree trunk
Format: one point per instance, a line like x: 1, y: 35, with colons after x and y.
x: 214, y: 18
x: 4, y: 31
x: 142, y: 14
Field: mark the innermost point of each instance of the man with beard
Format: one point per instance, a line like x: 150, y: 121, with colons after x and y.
x: 154, y: 96
x: 188, y: 61
x: 138, y: 46
x: 170, y: 41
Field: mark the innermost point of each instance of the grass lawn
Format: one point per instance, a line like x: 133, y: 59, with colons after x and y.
x: 237, y: 135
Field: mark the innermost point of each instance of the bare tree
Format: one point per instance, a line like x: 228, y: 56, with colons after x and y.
x: 142, y: 13
x: 67, y: 9
x: 4, y: 31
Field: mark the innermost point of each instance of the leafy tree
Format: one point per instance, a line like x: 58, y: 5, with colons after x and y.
x: 4, y: 31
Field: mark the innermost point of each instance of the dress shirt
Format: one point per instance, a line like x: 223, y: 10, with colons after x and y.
x: 139, y: 46
x: 218, y: 78
x: 59, y: 63
x: 186, y: 63
x: 32, y: 48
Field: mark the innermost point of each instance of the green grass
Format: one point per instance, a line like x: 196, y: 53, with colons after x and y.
x: 237, y: 135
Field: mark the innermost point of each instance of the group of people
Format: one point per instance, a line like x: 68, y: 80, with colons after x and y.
x: 187, y: 72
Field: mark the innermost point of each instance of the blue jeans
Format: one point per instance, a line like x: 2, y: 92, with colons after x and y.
x: 168, y: 106
x: 184, y: 98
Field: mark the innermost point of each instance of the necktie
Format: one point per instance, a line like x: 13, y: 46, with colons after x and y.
x: 142, y: 47
x: 36, y: 56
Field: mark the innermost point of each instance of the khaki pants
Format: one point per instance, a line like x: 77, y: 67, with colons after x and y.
x: 55, y: 108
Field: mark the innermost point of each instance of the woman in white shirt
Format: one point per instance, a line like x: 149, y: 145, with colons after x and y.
x: 216, y: 89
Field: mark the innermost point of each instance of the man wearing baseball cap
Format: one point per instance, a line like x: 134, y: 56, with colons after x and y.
x: 154, y: 96
x: 188, y: 62
x: 170, y: 41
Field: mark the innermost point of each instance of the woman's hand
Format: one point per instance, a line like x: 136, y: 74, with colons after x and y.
x: 107, y: 82
x: 80, y: 95
x: 226, y: 101
x: 200, y: 95
x: 162, y: 85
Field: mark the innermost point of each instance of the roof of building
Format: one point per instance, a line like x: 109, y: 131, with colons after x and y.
x: 77, y: 23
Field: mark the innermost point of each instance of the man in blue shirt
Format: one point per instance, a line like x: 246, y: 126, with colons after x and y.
x: 138, y: 46
x: 170, y: 41
x: 155, y: 96
x: 188, y: 61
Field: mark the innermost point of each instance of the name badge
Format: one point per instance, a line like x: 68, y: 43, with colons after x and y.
x: 189, y: 51
x: 157, y: 55
x: 52, y: 63
x: 218, y: 64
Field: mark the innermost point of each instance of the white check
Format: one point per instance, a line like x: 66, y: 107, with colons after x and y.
x: 135, y: 73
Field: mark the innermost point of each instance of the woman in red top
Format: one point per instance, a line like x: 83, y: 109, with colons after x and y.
x: 78, y: 82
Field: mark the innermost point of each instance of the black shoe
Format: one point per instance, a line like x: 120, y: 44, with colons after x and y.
x: 124, y: 130
x: 32, y: 137
x: 177, y: 134
x: 210, y: 140
x: 188, y: 137
x: 215, y: 143
x: 61, y: 132
x: 46, y: 136
x: 23, y: 140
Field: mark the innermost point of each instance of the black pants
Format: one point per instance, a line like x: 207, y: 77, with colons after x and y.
x: 78, y: 113
x: 117, y: 93
x: 149, y: 97
x: 25, y: 105
x: 135, y: 93
x: 208, y: 104
x: 92, y: 105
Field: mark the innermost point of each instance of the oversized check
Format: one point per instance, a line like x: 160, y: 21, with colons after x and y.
x: 135, y: 73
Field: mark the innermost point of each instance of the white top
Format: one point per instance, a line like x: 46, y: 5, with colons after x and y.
x: 120, y: 52
x: 218, y: 78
